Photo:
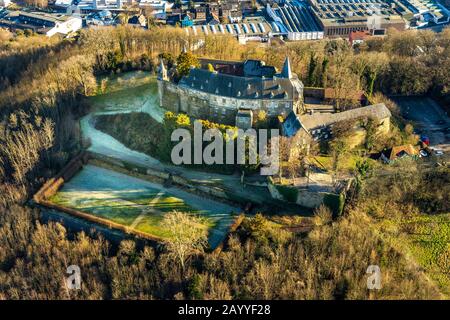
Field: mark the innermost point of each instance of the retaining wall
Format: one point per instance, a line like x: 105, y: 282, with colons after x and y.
x: 306, y: 198
x: 179, y: 180
x: 52, y: 186
x: 232, y: 229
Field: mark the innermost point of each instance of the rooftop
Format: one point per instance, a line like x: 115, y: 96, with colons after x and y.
x: 54, y: 18
x: 256, y: 81
x: 376, y: 111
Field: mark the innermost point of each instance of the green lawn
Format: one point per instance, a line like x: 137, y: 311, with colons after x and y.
x: 139, y: 204
x: 427, y: 239
x: 347, y: 164
x: 430, y: 245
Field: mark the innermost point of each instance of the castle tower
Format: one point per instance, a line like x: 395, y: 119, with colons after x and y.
x: 162, y: 72
x: 287, y: 71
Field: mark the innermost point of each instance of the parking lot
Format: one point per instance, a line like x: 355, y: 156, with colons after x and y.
x: 429, y: 120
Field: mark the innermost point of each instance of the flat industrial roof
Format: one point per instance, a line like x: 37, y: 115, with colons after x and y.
x: 46, y: 16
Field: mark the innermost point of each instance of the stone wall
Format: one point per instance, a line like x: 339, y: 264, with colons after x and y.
x: 54, y: 184
x: 303, y: 198
x: 384, y: 126
x: 217, y: 108
x: 168, y: 96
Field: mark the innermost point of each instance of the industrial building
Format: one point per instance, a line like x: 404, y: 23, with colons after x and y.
x: 316, y: 19
x: 251, y: 28
x: 44, y: 23
x: 295, y: 20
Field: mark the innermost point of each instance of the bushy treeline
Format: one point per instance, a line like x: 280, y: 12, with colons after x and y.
x: 425, y: 188
x: 409, y: 203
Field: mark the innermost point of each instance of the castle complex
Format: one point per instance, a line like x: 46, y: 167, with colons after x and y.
x: 233, y: 88
x: 235, y: 92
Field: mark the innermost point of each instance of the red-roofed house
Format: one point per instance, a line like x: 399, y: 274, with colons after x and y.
x: 357, y: 37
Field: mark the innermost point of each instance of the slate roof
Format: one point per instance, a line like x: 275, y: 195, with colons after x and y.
x: 291, y: 125
x: 376, y: 111
x: 243, y: 87
x: 256, y: 68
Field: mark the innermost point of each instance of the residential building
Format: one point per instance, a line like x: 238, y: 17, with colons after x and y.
x: 399, y: 152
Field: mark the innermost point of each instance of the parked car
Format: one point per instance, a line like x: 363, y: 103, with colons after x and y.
x: 423, y: 153
x: 425, y: 140
x: 437, y: 152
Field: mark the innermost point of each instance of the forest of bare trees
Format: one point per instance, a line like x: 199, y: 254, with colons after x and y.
x: 42, y: 85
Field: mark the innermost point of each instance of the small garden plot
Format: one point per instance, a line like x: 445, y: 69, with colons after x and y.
x: 140, y: 204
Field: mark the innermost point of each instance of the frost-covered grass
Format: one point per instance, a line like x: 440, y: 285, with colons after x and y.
x: 125, y: 93
x: 139, y: 204
x: 130, y: 92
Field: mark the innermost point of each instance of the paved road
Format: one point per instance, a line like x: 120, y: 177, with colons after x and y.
x: 429, y: 119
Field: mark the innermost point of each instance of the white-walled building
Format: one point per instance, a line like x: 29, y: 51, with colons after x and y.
x: 5, y: 3
x: 66, y: 26
x: 45, y: 23
x: 159, y: 7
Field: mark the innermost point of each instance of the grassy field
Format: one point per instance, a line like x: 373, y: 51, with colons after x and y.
x: 426, y: 238
x: 139, y: 204
x: 347, y: 164
x: 429, y: 243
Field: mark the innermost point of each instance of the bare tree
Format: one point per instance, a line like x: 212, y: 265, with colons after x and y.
x: 188, y: 236
x: 23, y: 148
